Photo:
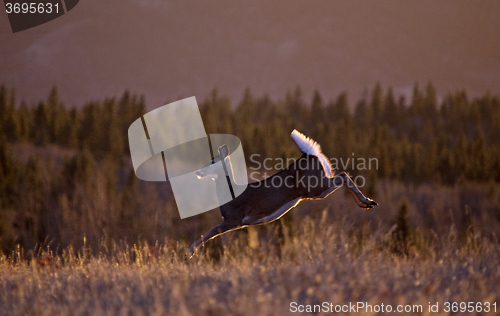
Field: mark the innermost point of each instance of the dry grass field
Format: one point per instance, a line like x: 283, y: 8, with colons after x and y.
x: 327, y: 252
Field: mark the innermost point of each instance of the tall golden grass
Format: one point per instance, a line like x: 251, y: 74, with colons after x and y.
x: 422, y: 244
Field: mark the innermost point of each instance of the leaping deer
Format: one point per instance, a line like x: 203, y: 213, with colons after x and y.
x: 263, y: 202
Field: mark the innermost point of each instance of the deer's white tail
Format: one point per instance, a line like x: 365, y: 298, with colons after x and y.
x: 310, y: 147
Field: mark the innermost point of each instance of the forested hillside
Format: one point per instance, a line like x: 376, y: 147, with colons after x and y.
x: 66, y: 172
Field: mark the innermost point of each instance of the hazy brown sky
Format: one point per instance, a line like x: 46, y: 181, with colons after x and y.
x: 171, y: 50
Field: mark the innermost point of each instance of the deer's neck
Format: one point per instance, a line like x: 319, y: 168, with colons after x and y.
x: 225, y: 182
x: 224, y: 188
x: 228, y: 169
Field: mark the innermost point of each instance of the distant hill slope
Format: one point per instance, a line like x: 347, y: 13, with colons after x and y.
x: 173, y: 50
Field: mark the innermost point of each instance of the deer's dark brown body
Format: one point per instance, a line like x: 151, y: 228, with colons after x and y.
x: 269, y: 199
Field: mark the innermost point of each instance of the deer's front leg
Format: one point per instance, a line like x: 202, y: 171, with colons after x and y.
x: 212, y: 233
x: 360, y: 199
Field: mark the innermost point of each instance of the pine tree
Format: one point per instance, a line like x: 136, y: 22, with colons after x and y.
x: 401, y: 236
x: 295, y: 107
x: 11, y: 126
x: 3, y: 109
x: 9, y: 173
x: 79, y: 169
x: 245, y: 112
x: 114, y: 142
x: 376, y: 108
x: 430, y: 103
x: 402, y: 116
x: 23, y: 122
x: 446, y: 167
x: 93, y: 135
x: 41, y: 125
x: 361, y: 115
x: 210, y: 111
x: 317, y: 111
x: 70, y: 129
x: 481, y: 160
x: 417, y: 106
x: 57, y: 116
x: 391, y: 114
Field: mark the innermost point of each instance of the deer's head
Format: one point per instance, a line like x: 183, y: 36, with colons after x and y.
x: 214, y: 168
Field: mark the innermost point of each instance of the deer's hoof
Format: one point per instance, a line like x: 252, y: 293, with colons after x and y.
x: 370, y: 204
x: 189, y: 254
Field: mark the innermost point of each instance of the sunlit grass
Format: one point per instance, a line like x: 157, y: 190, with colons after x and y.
x: 313, y: 261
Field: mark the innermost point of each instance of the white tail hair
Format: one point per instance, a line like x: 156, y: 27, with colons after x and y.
x: 310, y: 147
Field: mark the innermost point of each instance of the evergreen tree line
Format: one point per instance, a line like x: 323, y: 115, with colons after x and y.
x: 91, y: 191
x: 417, y: 140
x: 99, y: 126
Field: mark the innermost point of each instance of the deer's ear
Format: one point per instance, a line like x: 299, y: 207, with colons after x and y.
x: 223, y: 151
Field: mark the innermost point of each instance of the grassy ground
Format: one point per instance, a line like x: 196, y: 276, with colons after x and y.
x: 423, y: 245
x: 319, y: 262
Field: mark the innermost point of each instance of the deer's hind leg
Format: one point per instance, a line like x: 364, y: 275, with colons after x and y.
x: 213, y: 232
x: 277, y: 214
x: 360, y: 199
x: 331, y: 187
